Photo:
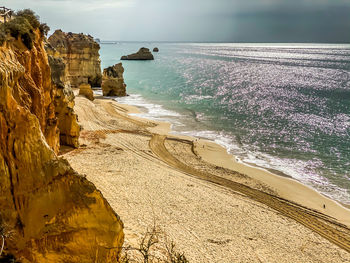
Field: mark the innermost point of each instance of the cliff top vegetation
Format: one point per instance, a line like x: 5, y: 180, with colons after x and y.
x: 23, y: 25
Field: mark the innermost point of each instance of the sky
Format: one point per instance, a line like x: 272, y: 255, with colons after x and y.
x: 298, y: 21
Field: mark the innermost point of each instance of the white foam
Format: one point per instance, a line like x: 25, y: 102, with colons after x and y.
x: 98, y: 92
x: 297, y: 169
x: 300, y: 171
x: 150, y: 110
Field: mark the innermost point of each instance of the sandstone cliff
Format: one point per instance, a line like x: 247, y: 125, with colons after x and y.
x: 69, y: 128
x: 113, y: 81
x: 53, y: 214
x: 80, y: 53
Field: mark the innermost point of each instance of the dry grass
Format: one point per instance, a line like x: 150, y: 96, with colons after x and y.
x: 153, y: 247
x: 6, y: 233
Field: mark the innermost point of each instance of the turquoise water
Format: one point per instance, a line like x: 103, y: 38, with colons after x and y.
x: 282, y: 107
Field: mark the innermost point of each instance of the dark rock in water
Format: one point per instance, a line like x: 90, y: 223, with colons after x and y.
x: 156, y: 49
x: 142, y: 54
x: 113, y: 81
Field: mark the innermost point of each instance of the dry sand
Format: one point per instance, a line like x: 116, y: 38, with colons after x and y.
x: 216, y: 210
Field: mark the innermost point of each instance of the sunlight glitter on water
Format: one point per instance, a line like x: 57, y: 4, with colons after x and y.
x: 284, y: 107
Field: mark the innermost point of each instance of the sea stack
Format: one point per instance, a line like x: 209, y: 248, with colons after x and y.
x: 80, y: 54
x: 113, y: 81
x: 156, y: 49
x: 142, y: 54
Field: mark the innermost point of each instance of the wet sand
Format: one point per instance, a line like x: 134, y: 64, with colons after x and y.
x: 215, y: 209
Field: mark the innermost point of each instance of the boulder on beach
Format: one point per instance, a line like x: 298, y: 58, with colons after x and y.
x: 86, y: 90
x: 156, y: 49
x: 113, y: 81
x: 142, y: 54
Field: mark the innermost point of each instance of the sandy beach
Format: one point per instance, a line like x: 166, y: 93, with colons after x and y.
x: 214, y: 208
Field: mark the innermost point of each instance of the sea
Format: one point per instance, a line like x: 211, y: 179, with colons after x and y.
x: 283, y: 107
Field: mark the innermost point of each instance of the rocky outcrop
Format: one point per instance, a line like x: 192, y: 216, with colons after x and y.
x: 80, y: 53
x: 51, y: 213
x: 86, y: 91
x: 142, y: 54
x: 69, y: 128
x: 156, y: 49
x: 113, y: 81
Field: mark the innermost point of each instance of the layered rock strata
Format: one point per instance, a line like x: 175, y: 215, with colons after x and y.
x: 142, y: 54
x: 86, y: 91
x: 81, y: 55
x: 113, y: 81
x: 50, y: 213
x: 69, y: 128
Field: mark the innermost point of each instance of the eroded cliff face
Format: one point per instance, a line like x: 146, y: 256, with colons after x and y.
x: 69, y: 128
x: 54, y: 214
x: 80, y: 53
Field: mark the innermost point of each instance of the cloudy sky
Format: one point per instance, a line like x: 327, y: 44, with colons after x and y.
x: 323, y: 21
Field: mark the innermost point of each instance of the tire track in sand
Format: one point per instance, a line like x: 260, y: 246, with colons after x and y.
x: 330, y: 230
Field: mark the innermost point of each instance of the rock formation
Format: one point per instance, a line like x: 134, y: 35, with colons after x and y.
x: 51, y: 213
x: 113, y: 81
x: 156, y: 49
x: 142, y: 54
x: 69, y: 128
x: 80, y: 53
x: 86, y: 90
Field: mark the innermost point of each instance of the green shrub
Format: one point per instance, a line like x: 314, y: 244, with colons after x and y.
x: 44, y: 29
x: 30, y: 16
x: 20, y: 26
x: 2, y: 34
x: 23, y: 25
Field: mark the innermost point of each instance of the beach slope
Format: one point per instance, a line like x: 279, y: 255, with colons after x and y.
x: 213, y: 212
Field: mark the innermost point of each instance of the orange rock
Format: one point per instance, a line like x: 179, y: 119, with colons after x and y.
x: 85, y: 90
x: 69, y: 128
x: 80, y: 53
x: 55, y: 214
x: 113, y: 81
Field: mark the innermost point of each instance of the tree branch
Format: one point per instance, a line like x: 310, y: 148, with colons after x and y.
x: 3, y: 243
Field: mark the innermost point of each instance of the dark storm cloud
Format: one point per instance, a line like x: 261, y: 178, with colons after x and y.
x: 199, y: 20
x: 302, y: 21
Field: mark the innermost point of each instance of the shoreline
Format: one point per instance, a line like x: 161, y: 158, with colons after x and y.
x: 210, y: 212
x: 316, y: 160
x: 297, y: 191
